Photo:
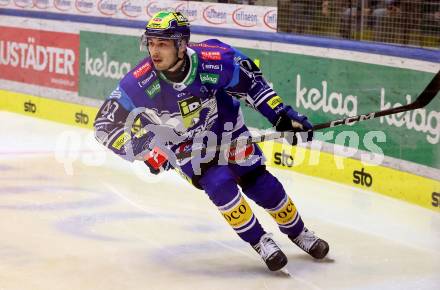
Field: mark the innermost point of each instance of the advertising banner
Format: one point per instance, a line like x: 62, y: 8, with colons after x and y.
x: 105, y: 59
x: 40, y: 57
x: 247, y: 17
x: 323, y: 89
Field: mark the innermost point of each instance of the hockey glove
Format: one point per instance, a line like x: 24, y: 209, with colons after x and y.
x: 157, y: 161
x: 290, y: 120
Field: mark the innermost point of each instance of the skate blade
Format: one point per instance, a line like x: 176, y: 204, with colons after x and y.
x: 285, y: 272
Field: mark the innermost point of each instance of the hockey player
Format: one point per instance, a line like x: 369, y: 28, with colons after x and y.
x: 190, y: 90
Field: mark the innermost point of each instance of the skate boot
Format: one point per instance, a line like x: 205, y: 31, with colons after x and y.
x: 270, y: 253
x: 311, y: 244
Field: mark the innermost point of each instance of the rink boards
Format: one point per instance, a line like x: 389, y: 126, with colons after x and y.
x: 391, y: 182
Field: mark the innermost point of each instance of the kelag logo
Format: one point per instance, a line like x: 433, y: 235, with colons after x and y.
x: 30, y: 107
x: 63, y: 5
x: 190, y: 13
x: 362, y: 177
x: 107, y: 7
x: 24, y: 3
x: 81, y: 118
x: 270, y: 19
x: 245, y: 19
x: 104, y: 67
x: 84, y: 6
x: 213, y: 15
x: 435, y: 199
x: 131, y: 10
x: 283, y: 159
x: 154, y: 7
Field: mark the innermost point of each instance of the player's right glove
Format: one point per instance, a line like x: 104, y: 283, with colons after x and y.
x: 157, y: 161
x: 290, y: 120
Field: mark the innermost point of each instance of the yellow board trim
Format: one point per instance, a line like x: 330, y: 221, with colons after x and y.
x: 390, y: 182
x: 384, y: 180
x: 49, y: 109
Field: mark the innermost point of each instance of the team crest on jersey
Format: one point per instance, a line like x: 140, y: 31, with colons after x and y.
x: 190, y: 110
x: 211, y: 55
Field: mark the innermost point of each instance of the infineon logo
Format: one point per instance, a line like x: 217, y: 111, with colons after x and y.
x: 41, y: 4
x: 212, y: 14
x: 270, y: 19
x: 107, y: 7
x: 63, y: 5
x: 244, y: 18
x: 24, y: 3
x: 131, y: 10
x: 4, y: 2
x: 84, y: 6
x: 190, y: 13
x: 156, y: 6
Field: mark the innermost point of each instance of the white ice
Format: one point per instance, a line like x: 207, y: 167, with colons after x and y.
x: 77, y: 217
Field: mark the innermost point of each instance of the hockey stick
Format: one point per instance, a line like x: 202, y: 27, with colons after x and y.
x: 423, y: 99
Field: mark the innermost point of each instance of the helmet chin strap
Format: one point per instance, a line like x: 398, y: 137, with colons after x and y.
x: 177, y: 45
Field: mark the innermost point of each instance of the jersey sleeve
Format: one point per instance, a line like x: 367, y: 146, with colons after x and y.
x: 110, y: 122
x: 248, y: 83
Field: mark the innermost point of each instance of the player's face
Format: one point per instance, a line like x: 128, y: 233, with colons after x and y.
x: 162, y: 52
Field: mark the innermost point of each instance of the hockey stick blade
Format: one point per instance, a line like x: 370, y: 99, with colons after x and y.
x: 423, y: 99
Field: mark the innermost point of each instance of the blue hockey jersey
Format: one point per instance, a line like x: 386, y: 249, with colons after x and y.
x: 206, y: 100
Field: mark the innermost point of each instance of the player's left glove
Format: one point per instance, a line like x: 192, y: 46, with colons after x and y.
x: 292, y: 121
x: 157, y: 161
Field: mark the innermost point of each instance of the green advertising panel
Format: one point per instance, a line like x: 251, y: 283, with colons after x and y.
x: 323, y: 89
x: 105, y: 59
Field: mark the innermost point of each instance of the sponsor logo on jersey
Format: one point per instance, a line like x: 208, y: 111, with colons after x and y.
x: 239, y: 214
x: 208, y: 78
x: 147, y: 80
x: 204, y: 45
x: 238, y: 154
x: 211, y: 55
x: 41, y: 4
x: 131, y: 10
x: 84, y: 6
x: 274, y: 102
x: 210, y: 66
x: 214, y: 15
x: 362, y: 178
x: 63, y: 5
x: 121, y: 141
x: 107, y: 8
x: 244, y: 18
x: 81, y: 118
x: 142, y: 70
x: 285, y: 213
x: 435, y: 199
x: 154, y: 89
x: 190, y: 109
x: 270, y: 19
x: 283, y: 159
x: 30, y: 107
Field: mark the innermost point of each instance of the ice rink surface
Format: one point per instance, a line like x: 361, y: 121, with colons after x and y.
x: 76, y: 218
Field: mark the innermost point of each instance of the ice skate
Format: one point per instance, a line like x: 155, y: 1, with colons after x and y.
x: 271, y: 254
x: 311, y: 244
